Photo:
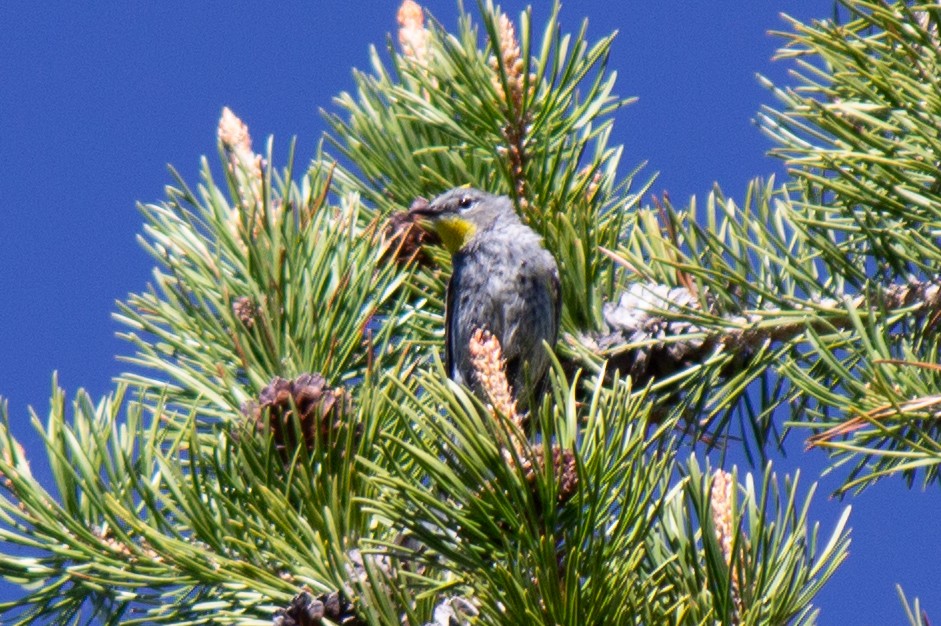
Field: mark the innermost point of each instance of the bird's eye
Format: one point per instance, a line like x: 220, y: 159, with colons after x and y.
x: 465, y: 202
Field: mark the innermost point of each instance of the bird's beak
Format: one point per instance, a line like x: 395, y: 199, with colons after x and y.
x: 420, y: 208
x: 422, y: 214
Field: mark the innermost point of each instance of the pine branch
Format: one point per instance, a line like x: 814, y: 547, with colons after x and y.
x: 655, y: 331
x: 859, y: 136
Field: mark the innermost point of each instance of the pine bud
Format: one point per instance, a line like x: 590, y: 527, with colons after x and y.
x: 245, y: 310
x: 490, y: 368
x: 248, y: 170
x: 512, y: 61
x: 723, y: 520
x: 413, y: 36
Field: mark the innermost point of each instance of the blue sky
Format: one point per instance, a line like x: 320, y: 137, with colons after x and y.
x: 98, y: 98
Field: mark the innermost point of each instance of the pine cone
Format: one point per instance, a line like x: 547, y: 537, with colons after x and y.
x: 408, y: 239
x: 306, y: 610
x: 322, y: 412
x: 564, y: 469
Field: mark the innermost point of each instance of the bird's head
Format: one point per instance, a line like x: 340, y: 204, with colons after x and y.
x: 457, y: 215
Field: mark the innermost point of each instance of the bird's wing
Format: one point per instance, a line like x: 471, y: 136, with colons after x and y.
x: 450, y: 317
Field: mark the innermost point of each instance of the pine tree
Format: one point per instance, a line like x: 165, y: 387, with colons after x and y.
x: 285, y: 446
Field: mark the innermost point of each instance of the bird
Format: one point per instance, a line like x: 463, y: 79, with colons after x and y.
x: 503, y: 281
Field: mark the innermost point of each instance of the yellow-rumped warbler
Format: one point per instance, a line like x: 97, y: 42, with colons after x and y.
x: 503, y: 281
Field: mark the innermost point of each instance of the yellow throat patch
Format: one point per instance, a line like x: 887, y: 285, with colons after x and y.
x: 454, y: 232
